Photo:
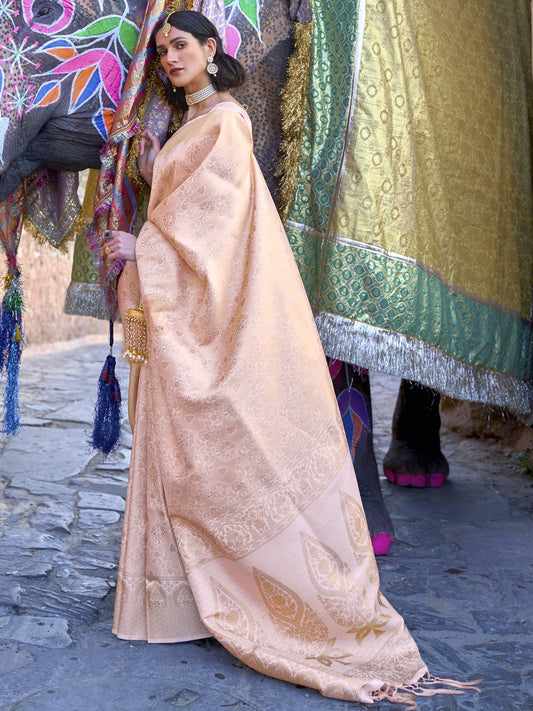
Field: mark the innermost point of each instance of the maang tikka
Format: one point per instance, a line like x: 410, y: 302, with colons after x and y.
x: 166, y: 27
x: 171, y: 10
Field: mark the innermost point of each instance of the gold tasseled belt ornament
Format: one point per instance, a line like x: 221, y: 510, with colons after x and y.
x: 135, y: 342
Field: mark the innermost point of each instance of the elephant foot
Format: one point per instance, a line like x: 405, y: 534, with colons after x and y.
x: 405, y: 465
x: 433, y: 479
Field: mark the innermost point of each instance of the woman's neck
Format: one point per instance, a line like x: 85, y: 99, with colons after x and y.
x: 204, y: 106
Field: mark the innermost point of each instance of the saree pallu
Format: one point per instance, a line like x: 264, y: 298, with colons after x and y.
x: 412, y: 215
x: 243, y: 519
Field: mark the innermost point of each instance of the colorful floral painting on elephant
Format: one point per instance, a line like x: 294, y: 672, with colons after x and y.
x: 63, y: 66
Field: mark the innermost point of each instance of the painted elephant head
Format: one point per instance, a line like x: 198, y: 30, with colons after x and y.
x: 62, y: 65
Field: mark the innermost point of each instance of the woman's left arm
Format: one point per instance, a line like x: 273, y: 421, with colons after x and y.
x: 121, y: 246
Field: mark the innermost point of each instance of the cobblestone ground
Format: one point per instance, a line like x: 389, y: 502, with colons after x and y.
x: 460, y: 571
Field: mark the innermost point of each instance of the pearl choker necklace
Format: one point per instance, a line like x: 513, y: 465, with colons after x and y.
x: 200, y: 95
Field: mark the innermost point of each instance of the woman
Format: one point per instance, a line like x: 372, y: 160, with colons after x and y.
x: 243, y: 518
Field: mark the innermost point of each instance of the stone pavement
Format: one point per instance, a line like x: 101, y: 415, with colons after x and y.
x: 460, y: 571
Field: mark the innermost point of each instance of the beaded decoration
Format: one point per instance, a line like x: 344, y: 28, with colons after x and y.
x: 204, y: 93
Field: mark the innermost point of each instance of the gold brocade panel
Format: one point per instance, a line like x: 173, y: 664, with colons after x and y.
x: 438, y: 168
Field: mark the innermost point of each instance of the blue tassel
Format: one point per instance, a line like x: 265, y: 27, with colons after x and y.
x: 11, y: 343
x: 107, y: 412
x: 11, y: 392
x: 7, y: 323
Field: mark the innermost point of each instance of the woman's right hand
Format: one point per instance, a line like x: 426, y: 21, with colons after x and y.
x: 119, y: 245
x: 149, y: 147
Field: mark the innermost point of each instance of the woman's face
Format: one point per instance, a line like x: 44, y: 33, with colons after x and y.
x: 184, y: 58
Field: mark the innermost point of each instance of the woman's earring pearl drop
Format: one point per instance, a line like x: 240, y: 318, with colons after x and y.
x: 212, y: 68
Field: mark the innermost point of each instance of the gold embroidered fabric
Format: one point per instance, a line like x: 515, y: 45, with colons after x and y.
x: 243, y: 518
x: 412, y: 219
x: 440, y: 155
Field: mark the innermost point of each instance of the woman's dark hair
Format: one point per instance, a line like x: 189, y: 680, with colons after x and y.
x: 230, y: 71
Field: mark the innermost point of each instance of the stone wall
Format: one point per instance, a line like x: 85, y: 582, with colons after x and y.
x: 46, y: 275
x: 473, y: 419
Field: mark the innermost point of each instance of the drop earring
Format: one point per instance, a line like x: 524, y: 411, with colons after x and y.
x: 212, y: 68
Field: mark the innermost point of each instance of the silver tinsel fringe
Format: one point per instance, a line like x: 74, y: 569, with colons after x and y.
x: 377, y: 349
x: 86, y: 300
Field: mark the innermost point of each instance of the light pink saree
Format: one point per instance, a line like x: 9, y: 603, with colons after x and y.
x: 243, y: 518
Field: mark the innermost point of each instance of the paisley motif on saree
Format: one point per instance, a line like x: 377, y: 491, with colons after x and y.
x: 412, y: 217
x: 243, y: 519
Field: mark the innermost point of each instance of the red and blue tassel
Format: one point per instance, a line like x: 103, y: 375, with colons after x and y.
x: 11, y: 345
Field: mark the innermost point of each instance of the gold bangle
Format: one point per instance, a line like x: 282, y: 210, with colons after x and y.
x: 107, y: 250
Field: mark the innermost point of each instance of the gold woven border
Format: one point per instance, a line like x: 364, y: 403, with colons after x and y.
x: 41, y: 239
x: 292, y: 115
x: 153, y: 85
x: 79, y: 224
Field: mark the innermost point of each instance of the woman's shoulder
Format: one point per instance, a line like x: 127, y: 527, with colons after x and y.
x: 226, y: 117
x: 235, y: 108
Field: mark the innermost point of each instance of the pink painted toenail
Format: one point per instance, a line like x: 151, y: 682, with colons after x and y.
x: 403, y: 479
x: 381, y: 543
x: 436, y: 479
x: 390, y: 475
x: 418, y: 480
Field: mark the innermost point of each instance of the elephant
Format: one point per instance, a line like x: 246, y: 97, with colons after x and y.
x: 67, y: 62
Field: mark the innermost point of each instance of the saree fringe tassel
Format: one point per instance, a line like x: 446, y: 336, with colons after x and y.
x: 407, y: 694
